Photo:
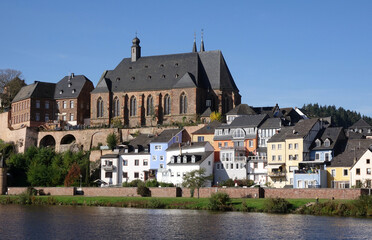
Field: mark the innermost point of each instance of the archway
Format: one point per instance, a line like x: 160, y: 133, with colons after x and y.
x: 68, y: 139
x: 47, y: 141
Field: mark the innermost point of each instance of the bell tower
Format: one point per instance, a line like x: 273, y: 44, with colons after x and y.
x: 135, y: 49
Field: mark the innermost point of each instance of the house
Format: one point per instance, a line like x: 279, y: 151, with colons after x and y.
x: 206, y: 133
x: 159, y: 145
x: 145, y: 91
x: 313, y: 172
x: 238, y: 111
x: 111, y: 170
x: 38, y: 103
x: 235, y: 143
x: 361, y: 127
x: 338, y: 172
x: 289, y: 147
x: 183, y: 158
x: 360, y: 172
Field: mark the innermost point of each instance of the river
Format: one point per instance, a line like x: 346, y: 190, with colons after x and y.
x: 68, y: 222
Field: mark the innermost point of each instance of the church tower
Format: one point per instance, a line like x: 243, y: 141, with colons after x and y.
x: 136, y: 49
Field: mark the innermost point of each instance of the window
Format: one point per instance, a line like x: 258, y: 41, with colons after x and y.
x: 183, y: 103
x: 279, y: 146
x: 346, y: 172
x: 368, y: 170
x: 150, y: 106
x: 273, y: 157
x: 316, y: 156
x: 133, y: 106
x: 279, y: 157
x: 116, y: 107
x: 208, y: 103
x: 357, y: 172
x: 327, y: 143
x: 161, y: 158
x: 290, y: 146
x: 64, y: 104
x: 368, y: 161
x: 46, y: 117
x: 125, y: 162
x: 71, y: 117
x: 167, y: 105
x: 238, y: 133
x: 37, y: 116
x: 145, y: 162
x: 255, y: 165
x: 296, y: 157
x: 218, y: 166
x: 71, y: 104
x: 64, y: 118
x: 237, y: 166
x: 200, y: 139
x: 273, y: 147
x: 225, y: 144
x: 250, y: 143
x: 219, y: 145
x: 368, y: 182
x: 136, y: 175
x: 296, y: 146
x: 358, y: 183
x: 317, y: 143
x: 154, y: 158
x: 136, y: 162
x: 37, y: 103
x: 157, y: 147
x: 326, y: 156
x: 161, y: 165
x: 333, y: 172
x: 108, y: 175
x: 46, y: 104
x: 125, y: 175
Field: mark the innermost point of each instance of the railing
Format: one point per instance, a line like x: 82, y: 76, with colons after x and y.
x: 276, y: 174
x: 305, y: 172
x: 240, y: 159
x: 257, y: 158
x: 108, y: 167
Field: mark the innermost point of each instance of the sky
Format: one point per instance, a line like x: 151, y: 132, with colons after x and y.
x: 286, y: 52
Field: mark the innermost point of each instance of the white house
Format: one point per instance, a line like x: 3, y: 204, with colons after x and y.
x: 110, y: 169
x: 361, y: 175
x: 183, y: 158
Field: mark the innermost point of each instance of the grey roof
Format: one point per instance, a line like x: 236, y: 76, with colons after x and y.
x: 166, y: 135
x: 355, y: 148
x: 70, y: 87
x: 241, y: 109
x: 36, y: 90
x: 141, y: 140
x: 209, y: 128
x: 199, y: 158
x: 185, y: 146
x: 247, y: 121
x: 361, y: 123
x: 331, y: 133
x: 185, y: 70
x: 271, y: 123
x: 110, y: 155
x: 207, y: 112
x: 300, y: 130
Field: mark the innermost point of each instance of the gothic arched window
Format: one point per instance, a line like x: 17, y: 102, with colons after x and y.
x: 167, y: 105
x: 183, y: 103
x: 116, y: 107
x: 99, y: 107
x: 133, y: 106
x: 150, y: 106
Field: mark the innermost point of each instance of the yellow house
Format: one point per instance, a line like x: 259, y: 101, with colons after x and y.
x: 288, y: 148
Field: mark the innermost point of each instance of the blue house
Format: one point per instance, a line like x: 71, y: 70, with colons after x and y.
x: 312, y: 173
x: 161, y: 143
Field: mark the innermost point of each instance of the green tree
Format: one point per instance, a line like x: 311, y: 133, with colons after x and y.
x: 10, y: 84
x: 111, y: 140
x: 195, y: 180
x: 216, y: 116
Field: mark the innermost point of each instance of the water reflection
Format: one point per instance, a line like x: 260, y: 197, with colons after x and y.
x: 65, y: 222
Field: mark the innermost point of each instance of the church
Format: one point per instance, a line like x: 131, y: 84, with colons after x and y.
x: 164, y: 89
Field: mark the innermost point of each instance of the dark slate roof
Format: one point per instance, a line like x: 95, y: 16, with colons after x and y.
x: 361, y: 123
x: 271, y: 123
x: 186, y: 70
x: 206, y: 113
x: 166, y: 135
x: 355, y: 148
x: 300, y: 130
x: 141, y: 140
x: 110, y: 155
x: 265, y: 110
x: 241, y: 109
x: 185, y: 146
x: 355, y: 135
x: 209, y: 128
x: 199, y: 158
x: 36, y: 90
x: 332, y: 133
x: 70, y: 87
x: 247, y: 121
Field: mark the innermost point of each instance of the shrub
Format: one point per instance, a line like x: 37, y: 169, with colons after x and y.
x: 245, y: 182
x: 27, y: 196
x: 152, y: 183
x: 143, y: 191
x: 163, y: 184
x: 228, y: 183
x: 246, y: 208
x: 277, y: 205
x: 134, y: 183
x: 219, y: 202
x: 155, y: 203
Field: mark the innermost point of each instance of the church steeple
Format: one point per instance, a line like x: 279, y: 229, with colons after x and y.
x: 194, y: 45
x: 135, y: 49
x: 202, y: 42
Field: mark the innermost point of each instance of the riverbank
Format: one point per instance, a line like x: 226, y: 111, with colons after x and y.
x: 302, y: 206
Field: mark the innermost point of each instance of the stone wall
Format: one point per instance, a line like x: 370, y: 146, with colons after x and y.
x: 322, y: 193
x: 110, y: 192
x: 233, y: 192
x: 54, y: 191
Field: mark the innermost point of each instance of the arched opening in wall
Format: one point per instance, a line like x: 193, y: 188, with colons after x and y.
x: 68, y: 139
x: 47, y: 141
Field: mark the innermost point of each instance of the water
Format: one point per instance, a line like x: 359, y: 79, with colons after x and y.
x: 67, y: 222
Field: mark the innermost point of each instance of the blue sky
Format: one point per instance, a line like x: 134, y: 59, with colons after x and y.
x: 285, y: 52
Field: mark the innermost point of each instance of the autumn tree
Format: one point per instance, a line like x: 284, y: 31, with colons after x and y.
x: 216, y: 116
x: 72, y: 175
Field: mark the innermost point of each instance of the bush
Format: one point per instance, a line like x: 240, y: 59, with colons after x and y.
x: 219, y: 202
x: 143, y: 191
x: 163, y: 184
x: 152, y: 183
x: 228, y: 183
x: 155, y: 203
x: 134, y: 183
x: 245, y: 182
x: 277, y: 205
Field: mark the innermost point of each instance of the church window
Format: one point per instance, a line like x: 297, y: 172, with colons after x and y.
x: 167, y: 106
x: 150, y: 106
x: 116, y: 107
x: 100, y: 107
x: 183, y: 103
x: 133, y: 106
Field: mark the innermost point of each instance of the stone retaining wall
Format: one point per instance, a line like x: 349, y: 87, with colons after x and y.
x: 233, y: 192
x: 55, y: 191
x: 322, y: 193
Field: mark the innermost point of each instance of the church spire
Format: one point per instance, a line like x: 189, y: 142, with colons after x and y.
x: 194, y: 45
x: 135, y: 49
x: 202, y: 42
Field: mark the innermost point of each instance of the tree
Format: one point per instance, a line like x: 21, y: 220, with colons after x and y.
x: 195, y: 180
x: 111, y: 140
x: 10, y: 84
x: 72, y: 175
x: 215, y: 116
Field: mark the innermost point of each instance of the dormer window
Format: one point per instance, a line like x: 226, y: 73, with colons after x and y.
x: 179, y: 159
x: 193, y: 158
x: 172, y: 159
x: 176, y: 64
x: 69, y: 85
x: 146, y: 66
x: 132, y: 78
x: 163, y: 76
x: 176, y: 76
x: 60, y: 92
x: 161, y: 65
x: 130, y: 68
x: 318, y: 143
x: 149, y: 77
x: 117, y: 79
x: 238, y: 133
x: 327, y: 143
x: 73, y: 90
x: 185, y: 159
x: 136, y: 150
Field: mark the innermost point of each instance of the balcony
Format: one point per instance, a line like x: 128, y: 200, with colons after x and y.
x: 108, y: 167
x: 240, y: 159
x: 276, y: 174
x: 257, y: 158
